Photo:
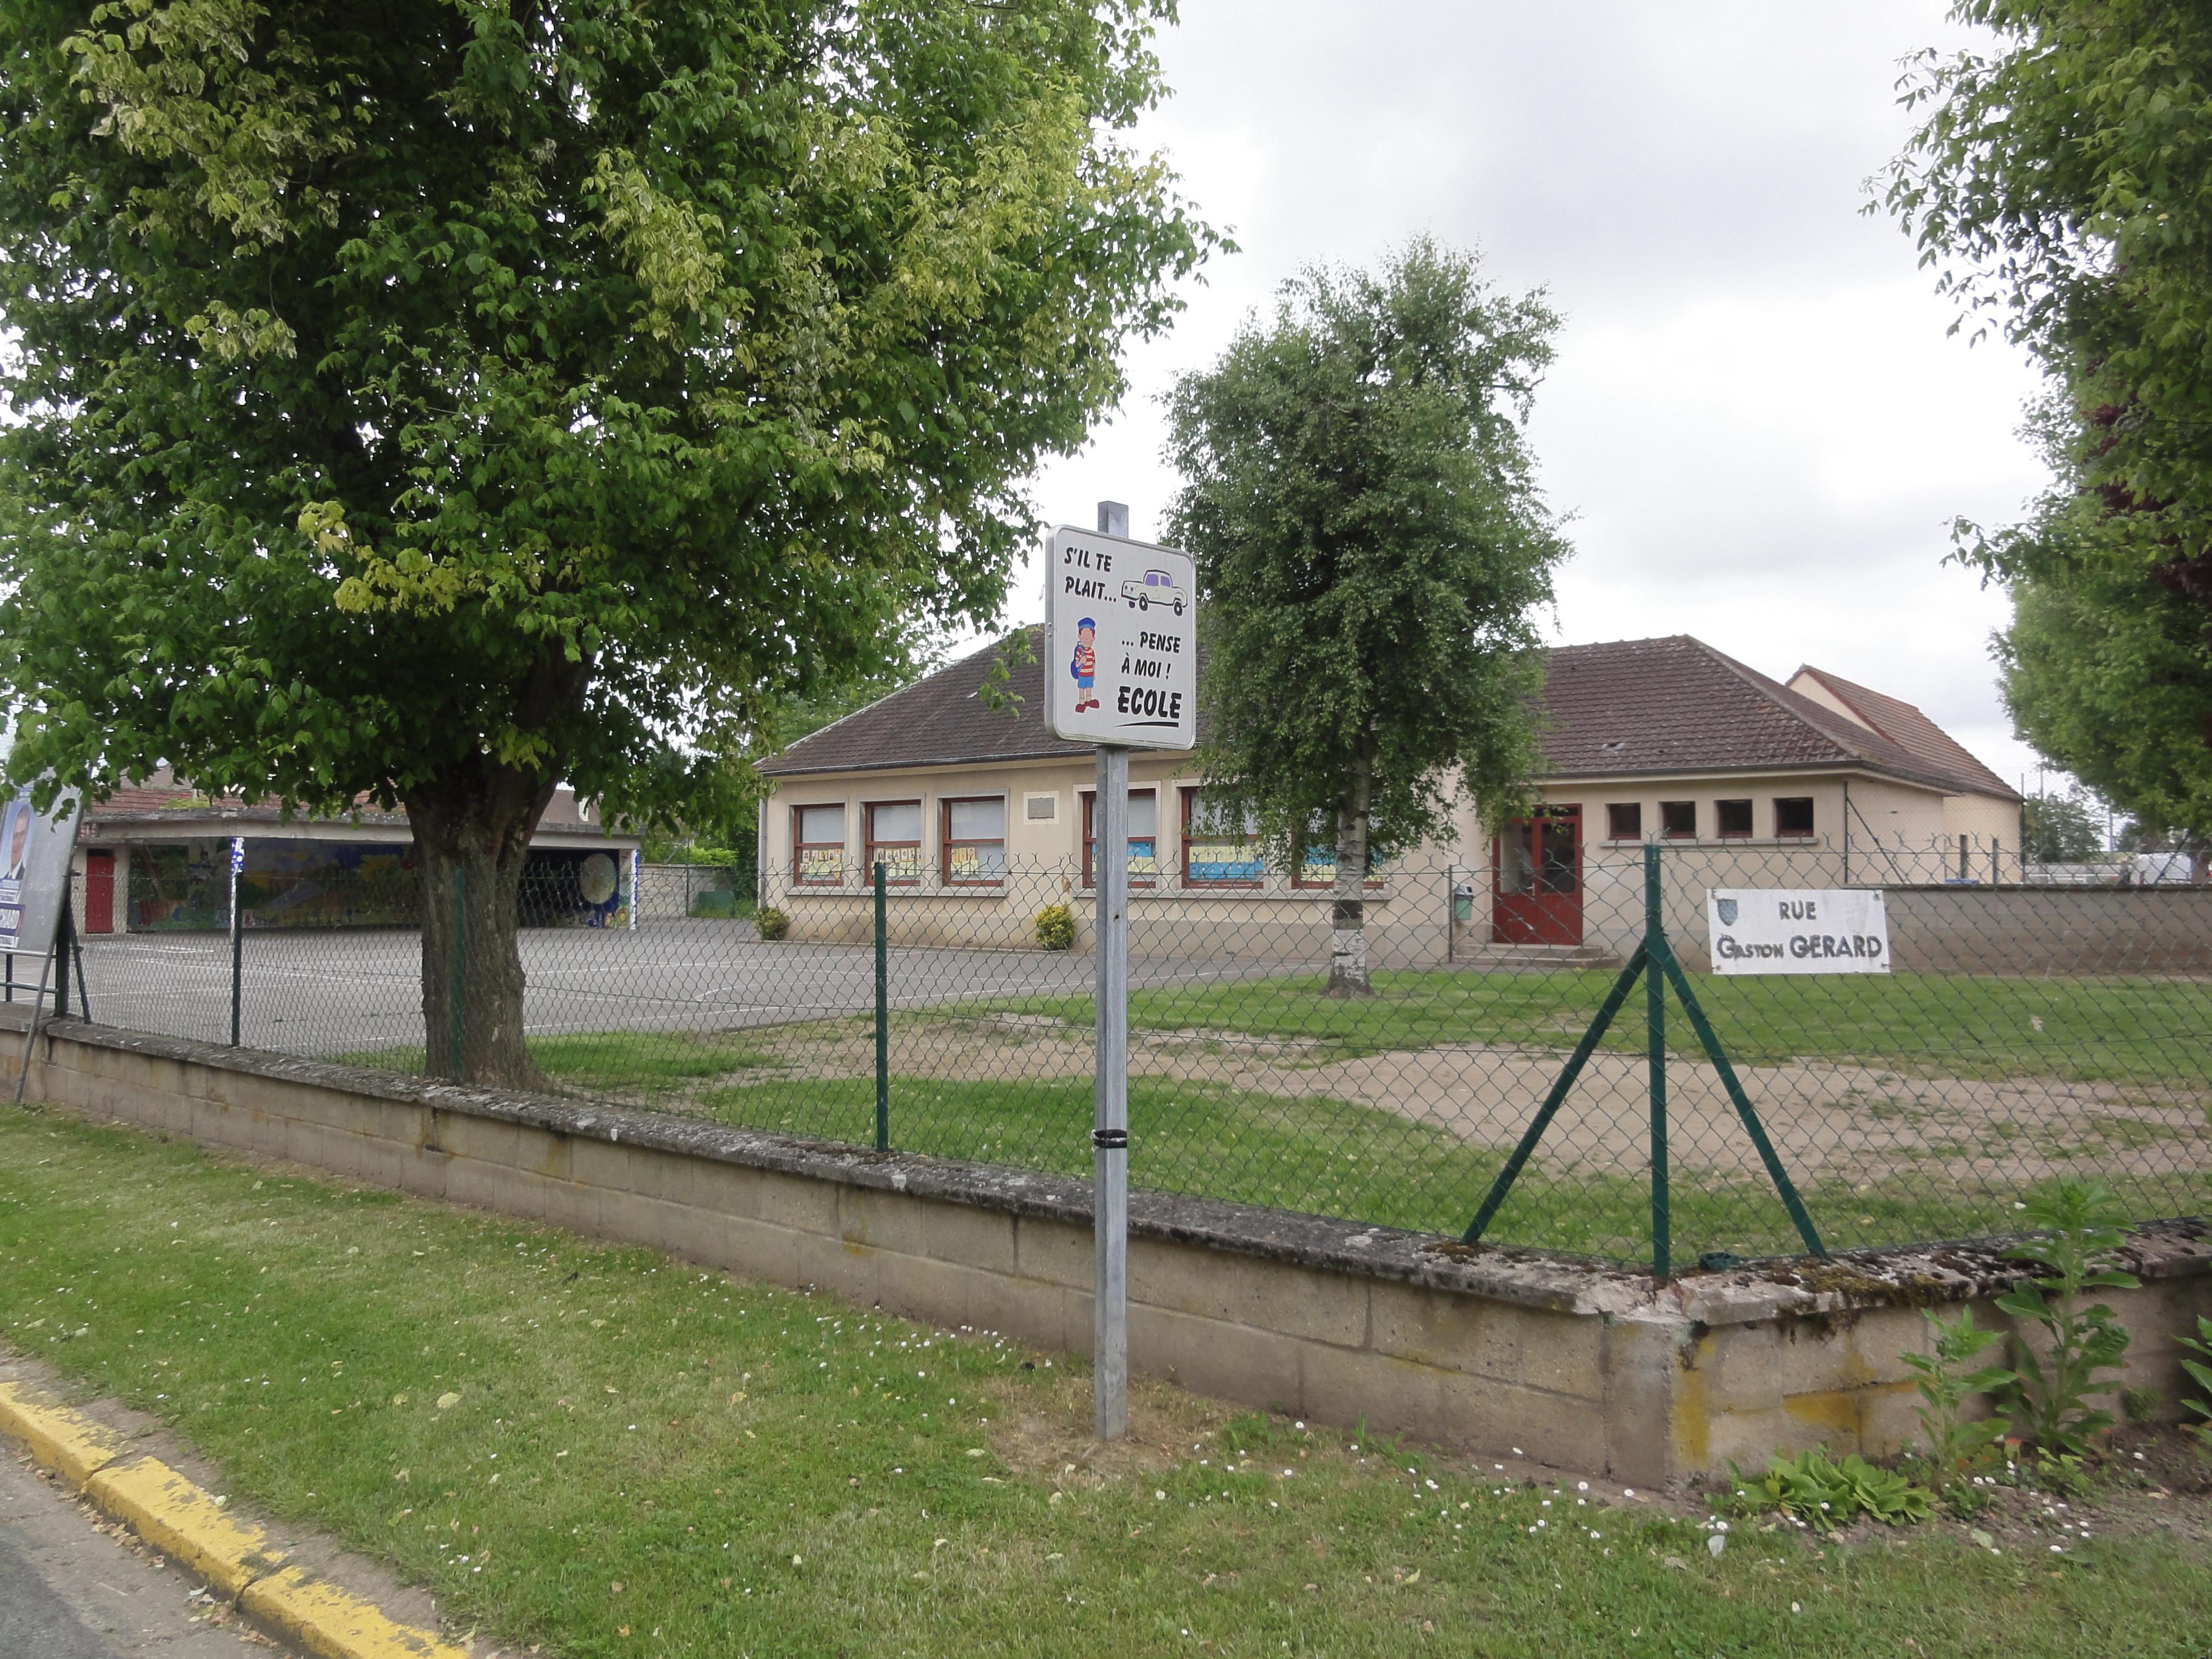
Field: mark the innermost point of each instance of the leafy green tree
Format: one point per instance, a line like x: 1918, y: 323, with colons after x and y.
x: 2067, y: 829
x: 2105, y: 670
x: 2061, y: 180
x: 430, y: 403
x: 1361, y: 500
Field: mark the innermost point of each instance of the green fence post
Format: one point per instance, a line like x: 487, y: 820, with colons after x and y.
x: 461, y: 973
x: 1655, y: 1014
x: 883, y: 1017
x: 237, y: 971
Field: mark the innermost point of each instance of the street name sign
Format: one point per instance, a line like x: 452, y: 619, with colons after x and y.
x: 1120, y: 641
x: 1814, y: 930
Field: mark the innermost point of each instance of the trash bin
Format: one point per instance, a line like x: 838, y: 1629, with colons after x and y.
x: 1463, y: 902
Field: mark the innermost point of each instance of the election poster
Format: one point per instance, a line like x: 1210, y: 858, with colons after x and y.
x: 34, y: 861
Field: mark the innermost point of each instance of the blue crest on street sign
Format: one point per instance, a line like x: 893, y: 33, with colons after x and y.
x: 1727, y: 907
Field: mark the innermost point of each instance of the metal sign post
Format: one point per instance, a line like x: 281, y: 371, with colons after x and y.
x: 1110, y: 1132
x: 1122, y: 664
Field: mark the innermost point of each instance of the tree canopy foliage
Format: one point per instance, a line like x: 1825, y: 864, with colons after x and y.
x: 431, y: 402
x: 2067, y: 829
x: 1371, y: 546
x: 2061, y: 180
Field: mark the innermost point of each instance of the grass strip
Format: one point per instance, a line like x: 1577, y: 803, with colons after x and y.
x: 2090, y: 1029
x: 611, y: 1454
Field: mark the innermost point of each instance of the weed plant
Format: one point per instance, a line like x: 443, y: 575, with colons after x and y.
x: 1956, y: 1443
x: 1817, y: 1492
x: 2079, y: 1228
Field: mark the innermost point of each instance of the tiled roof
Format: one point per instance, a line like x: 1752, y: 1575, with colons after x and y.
x: 158, y: 802
x: 940, y: 720
x: 1904, y: 724
x: 1677, y: 705
x: 1633, y: 706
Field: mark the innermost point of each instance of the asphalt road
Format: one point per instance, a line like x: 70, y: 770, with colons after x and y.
x: 69, y: 1591
x: 335, y: 993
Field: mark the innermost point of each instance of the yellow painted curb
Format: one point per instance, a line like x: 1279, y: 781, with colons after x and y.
x: 182, y: 1522
x: 71, y: 1445
x: 325, y: 1620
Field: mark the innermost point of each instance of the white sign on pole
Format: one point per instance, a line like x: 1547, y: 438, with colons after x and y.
x: 1120, y: 641
x: 1814, y: 930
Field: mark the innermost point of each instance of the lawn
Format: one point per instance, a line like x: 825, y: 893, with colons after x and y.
x: 611, y: 1454
x: 2122, y: 1029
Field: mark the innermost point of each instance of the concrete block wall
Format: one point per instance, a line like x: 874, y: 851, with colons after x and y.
x: 1581, y: 1367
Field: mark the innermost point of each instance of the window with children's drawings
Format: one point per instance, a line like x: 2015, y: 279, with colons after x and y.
x: 817, y: 845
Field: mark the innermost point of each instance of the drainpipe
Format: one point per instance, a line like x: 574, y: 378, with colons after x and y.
x: 760, y: 852
x: 1847, y: 832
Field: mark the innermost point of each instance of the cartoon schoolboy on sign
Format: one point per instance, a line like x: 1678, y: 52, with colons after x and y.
x: 1084, y: 666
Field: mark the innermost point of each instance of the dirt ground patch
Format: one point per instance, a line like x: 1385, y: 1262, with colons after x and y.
x: 1831, y: 1121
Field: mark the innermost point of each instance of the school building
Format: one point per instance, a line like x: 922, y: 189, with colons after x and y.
x: 977, y: 810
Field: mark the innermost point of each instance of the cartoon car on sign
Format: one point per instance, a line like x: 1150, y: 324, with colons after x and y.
x: 1158, y: 588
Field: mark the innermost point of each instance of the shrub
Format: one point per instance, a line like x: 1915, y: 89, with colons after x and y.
x: 722, y: 906
x: 772, y: 922
x: 2079, y: 1225
x: 1055, y: 927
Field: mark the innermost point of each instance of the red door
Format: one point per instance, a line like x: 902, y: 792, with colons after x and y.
x: 1536, y: 877
x: 98, y: 892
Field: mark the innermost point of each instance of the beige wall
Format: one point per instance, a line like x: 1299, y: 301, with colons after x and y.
x: 1865, y: 831
x: 1495, y: 1352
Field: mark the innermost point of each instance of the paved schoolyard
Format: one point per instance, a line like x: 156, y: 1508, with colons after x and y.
x: 342, y: 991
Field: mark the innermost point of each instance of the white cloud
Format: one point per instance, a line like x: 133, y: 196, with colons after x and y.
x: 1757, y: 415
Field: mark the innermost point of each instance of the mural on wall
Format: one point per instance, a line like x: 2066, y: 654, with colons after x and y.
x: 185, y: 886
x: 178, y: 886
x: 322, y: 883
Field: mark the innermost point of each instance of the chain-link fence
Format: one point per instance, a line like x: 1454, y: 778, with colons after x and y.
x: 2024, y: 1032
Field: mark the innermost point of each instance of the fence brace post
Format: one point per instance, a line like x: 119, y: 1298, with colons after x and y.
x: 61, y: 955
x: 1655, y: 1014
x: 1654, y: 958
x: 882, y: 1016
x: 460, y: 969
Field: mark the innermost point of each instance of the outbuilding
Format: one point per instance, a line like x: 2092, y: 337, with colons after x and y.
x: 157, y: 858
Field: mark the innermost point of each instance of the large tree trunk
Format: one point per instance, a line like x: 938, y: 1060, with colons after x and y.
x: 1347, y: 937
x: 472, y: 828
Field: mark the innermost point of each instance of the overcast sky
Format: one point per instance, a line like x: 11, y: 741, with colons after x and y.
x: 1756, y: 418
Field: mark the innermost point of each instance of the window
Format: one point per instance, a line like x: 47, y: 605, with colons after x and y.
x: 1678, y: 820
x: 1220, y: 844
x: 1734, y: 819
x: 1143, y: 837
x: 1624, y: 820
x: 817, y: 845
x: 1316, y: 864
x: 1793, y: 817
x: 893, y: 841
x: 973, y: 837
